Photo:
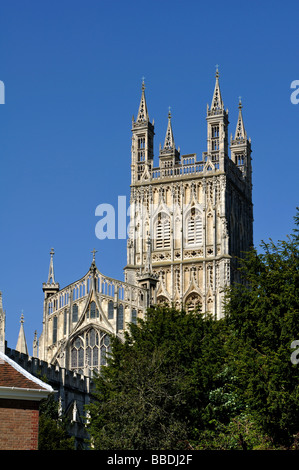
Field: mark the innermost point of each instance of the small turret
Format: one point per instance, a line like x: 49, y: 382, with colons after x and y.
x: 142, y: 115
x: 142, y: 143
x: 21, y: 344
x: 169, y: 155
x: 217, y: 131
x: 241, y: 147
x: 217, y: 105
x: 50, y: 287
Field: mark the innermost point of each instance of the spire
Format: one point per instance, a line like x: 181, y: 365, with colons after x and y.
x: 240, y: 133
x: 142, y: 112
x: 51, y: 279
x: 217, y: 103
x: 169, y: 140
x: 142, y: 149
x: 169, y: 152
x: 50, y: 287
x: 21, y: 344
x: 240, y: 148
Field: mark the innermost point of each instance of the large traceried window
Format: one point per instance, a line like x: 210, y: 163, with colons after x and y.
x: 194, y: 228
x: 162, y: 231
x: 89, y: 350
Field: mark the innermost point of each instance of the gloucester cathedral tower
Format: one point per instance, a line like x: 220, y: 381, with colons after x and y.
x: 190, y: 215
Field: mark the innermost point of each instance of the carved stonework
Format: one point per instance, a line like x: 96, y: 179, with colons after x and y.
x: 202, y: 209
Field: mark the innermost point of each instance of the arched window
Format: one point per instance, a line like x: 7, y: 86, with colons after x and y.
x: 77, y: 355
x: 54, y: 337
x: 134, y: 316
x: 92, y: 348
x: 120, y: 317
x: 110, y: 310
x: 162, y: 231
x: 193, y: 302
x: 194, y: 228
x: 104, y: 349
x: 161, y: 299
x: 64, y: 321
x: 93, y: 309
x: 89, y: 351
x: 75, y: 313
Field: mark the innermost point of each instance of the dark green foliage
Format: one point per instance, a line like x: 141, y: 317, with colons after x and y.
x: 263, y: 319
x: 52, y: 430
x: 188, y: 381
x: 152, y: 394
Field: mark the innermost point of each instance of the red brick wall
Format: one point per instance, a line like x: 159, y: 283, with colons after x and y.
x: 18, y: 424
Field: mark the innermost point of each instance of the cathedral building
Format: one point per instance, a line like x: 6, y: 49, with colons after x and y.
x: 78, y: 319
x: 189, y: 218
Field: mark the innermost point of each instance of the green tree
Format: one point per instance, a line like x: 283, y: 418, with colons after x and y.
x: 154, y: 392
x: 262, y: 316
x: 53, y: 433
x: 182, y: 379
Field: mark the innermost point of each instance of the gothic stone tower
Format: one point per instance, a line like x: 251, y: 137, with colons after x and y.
x: 190, y: 217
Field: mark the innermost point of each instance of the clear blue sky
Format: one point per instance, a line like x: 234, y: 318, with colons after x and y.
x: 72, y: 73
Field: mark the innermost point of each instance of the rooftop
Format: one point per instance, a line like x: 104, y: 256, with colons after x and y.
x: 16, y: 382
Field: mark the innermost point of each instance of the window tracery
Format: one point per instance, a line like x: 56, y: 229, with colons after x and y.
x: 89, y: 350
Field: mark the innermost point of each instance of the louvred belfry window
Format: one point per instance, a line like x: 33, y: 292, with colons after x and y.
x: 194, y: 228
x: 163, y: 231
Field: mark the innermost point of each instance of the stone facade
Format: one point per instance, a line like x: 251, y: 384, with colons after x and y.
x: 78, y: 319
x: 190, y: 216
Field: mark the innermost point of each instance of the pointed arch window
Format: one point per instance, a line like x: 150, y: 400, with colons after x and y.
x: 93, y: 311
x: 240, y: 160
x: 64, y: 321
x: 120, y: 317
x: 110, y: 310
x: 89, y: 351
x: 193, y: 302
x: 54, y: 330
x: 134, y: 316
x: 75, y: 313
x: 77, y: 355
x: 104, y: 349
x: 163, y: 231
x: 194, y: 228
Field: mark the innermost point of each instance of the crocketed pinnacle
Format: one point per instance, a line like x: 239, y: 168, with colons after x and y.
x: 169, y: 140
x: 142, y: 112
x: 217, y: 103
x: 240, y: 133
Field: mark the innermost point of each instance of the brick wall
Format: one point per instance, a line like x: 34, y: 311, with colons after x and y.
x: 19, y: 424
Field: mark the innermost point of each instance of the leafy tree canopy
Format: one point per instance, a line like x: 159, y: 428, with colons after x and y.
x: 181, y: 380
